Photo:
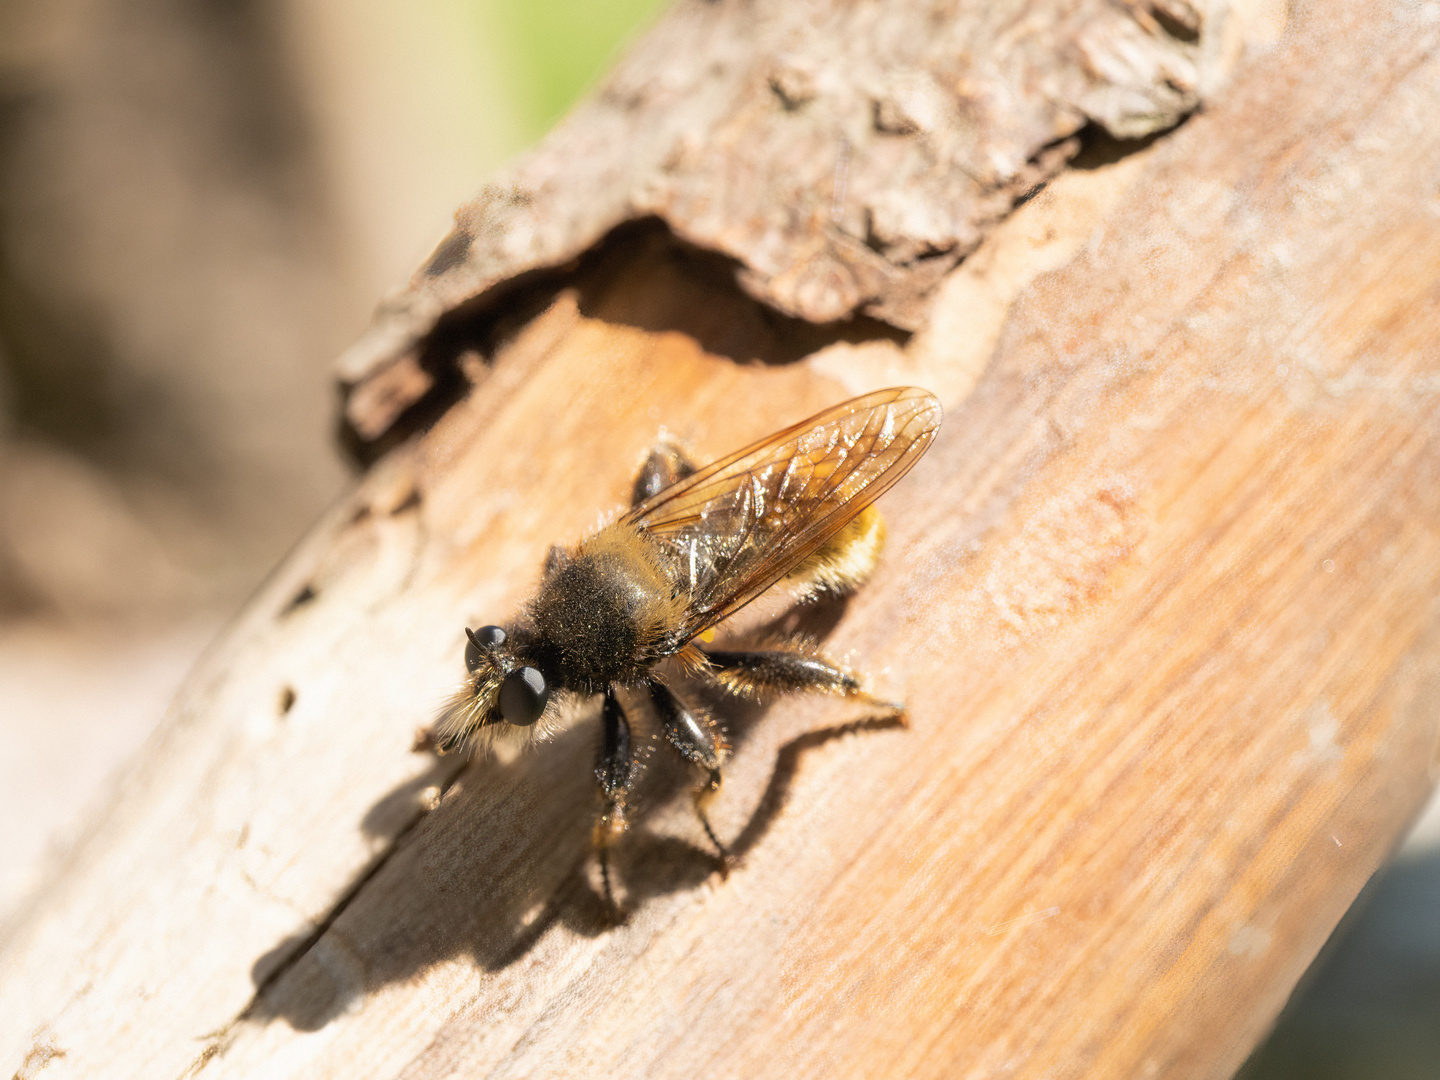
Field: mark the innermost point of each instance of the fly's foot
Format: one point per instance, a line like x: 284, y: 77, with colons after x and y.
x: 724, y: 859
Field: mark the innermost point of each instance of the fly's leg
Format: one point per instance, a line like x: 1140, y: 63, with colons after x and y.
x: 791, y: 669
x: 615, y: 770
x: 696, y: 738
x: 666, y: 464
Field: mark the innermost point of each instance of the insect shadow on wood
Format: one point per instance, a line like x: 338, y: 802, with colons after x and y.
x: 465, y: 874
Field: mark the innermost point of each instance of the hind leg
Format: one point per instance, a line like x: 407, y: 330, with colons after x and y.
x: 790, y: 669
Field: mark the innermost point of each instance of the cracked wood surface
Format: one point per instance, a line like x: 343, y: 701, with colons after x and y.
x: 1162, y: 601
x: 844, y: 155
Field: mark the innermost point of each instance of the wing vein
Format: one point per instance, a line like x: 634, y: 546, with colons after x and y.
x: 739, y: 525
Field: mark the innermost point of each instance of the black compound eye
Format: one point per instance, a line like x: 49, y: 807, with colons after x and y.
x: 484, y: 639
x: 523, y: 695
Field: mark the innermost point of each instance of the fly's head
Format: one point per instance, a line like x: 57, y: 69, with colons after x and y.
x: 503, y: 690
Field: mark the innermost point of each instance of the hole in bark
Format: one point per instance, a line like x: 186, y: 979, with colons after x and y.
x: 1046, y: 163
x: 1023, y: 199
x: 639, y: 275
x: 287, y: 699
x: 643, y: 276
x: 872, y: 239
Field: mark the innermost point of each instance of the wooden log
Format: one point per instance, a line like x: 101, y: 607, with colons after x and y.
x: 1161, y: 601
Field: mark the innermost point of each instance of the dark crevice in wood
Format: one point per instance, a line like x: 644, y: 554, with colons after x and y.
x: 643, y: 276
x: 907, y: 127
x: 306, y: 595
x: 639, y: 275
x: 1176, y: 24
x: 1098, y: 147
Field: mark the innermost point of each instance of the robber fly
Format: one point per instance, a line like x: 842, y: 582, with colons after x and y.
x: 696, y: 545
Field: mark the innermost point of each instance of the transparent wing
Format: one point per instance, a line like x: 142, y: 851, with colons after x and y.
x: 738, y: 526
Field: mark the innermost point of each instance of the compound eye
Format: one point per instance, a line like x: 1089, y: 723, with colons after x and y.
x: 482, y: 640
x: 523, y: 695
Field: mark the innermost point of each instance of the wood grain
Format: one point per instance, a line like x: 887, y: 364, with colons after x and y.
x: 1161, y: 599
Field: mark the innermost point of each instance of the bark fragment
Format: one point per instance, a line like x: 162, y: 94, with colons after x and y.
x: 845, y: 155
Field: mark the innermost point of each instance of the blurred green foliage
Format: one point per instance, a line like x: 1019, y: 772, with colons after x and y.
x: 559, y: 48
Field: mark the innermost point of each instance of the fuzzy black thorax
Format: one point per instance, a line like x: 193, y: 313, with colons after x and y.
x: 604, y: 610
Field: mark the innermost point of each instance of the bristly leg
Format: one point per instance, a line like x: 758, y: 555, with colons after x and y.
x: 696, y: 738
x: 792, y: 668
x: 615, y: 770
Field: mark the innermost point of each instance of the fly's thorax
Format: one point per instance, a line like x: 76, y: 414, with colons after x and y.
x: 606, y: 609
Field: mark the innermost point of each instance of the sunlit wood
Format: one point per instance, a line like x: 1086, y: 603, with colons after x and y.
x: 1161, y: 600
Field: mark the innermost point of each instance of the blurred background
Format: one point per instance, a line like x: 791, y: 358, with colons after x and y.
x: 200, y: 203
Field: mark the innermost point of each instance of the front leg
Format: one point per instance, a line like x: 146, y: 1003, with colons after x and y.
x: 615, y: 770
x: 666, y: 465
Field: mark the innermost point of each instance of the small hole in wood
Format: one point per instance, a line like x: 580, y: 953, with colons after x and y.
x: 1099, y: 148
x: 1176, y: 24
x: 306, y: 595
x: 287, y: 699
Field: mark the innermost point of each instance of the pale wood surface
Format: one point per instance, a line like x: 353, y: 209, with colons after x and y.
x: 1162, y: 601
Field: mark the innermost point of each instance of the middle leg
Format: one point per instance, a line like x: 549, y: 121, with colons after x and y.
x: 696, y: 738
